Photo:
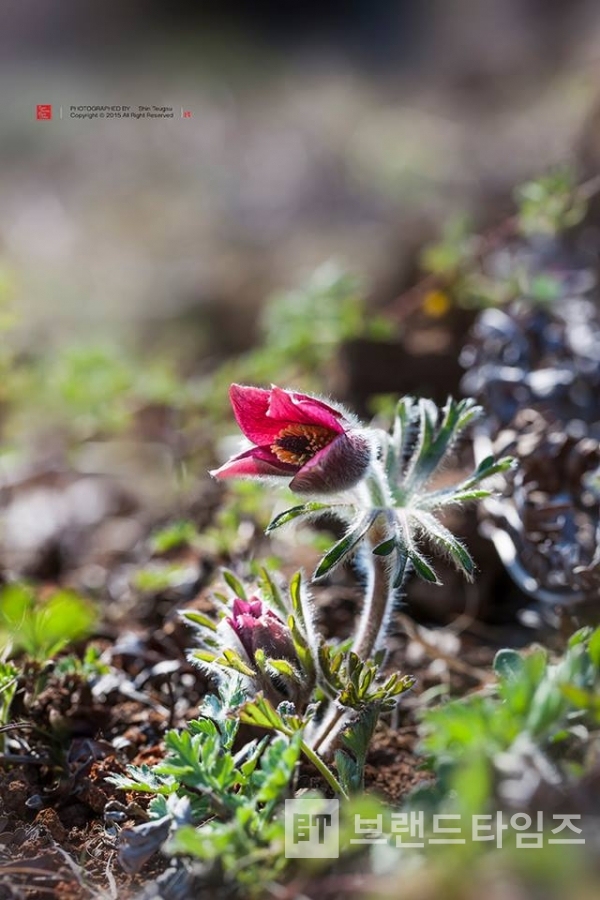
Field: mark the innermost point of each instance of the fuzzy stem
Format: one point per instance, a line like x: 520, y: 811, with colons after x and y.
x: 369, y: 635
x: 379, y: 595
x: 333, y: 722
x: 377, y: 607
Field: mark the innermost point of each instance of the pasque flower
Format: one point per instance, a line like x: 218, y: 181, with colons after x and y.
x: 299, y: 437
x: 258, y: 628
x: 266, y: 652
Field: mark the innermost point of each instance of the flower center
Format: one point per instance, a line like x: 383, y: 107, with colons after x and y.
x: 296, y: 443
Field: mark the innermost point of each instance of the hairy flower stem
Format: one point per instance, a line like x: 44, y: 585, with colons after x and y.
x: 377, y: 607
x: 372, y: 625
x: 369, y: 635
x: 379, y: 593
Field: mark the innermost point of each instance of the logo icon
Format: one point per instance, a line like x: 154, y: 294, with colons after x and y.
x: 312, y: 828
x: 43, y: 111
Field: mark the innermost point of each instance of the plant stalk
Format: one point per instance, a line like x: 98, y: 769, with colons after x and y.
x: 324, y: 770
x: 370, y: 632
x: 377, y: 607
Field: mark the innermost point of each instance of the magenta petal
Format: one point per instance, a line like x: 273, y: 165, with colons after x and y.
x: 288, y: 407
x: 261, y: 414
x: 251, y: 408
x: 337, y: 467
x: 253, y: 607
x: 257, y: 461
x: 304, y: 399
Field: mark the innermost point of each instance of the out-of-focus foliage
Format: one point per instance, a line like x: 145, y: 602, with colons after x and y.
x: 8, y: 685
x: 474, y: 271
x: 309, y: 322
x: 461, y: 280
x: 446, y: 256
x: 95, y: 388
x: 174, y: 536
x: 550, y: 204
x: 157, y: 577
x: 502, y: 747
x: 41, y: 626
x: 88, y: 667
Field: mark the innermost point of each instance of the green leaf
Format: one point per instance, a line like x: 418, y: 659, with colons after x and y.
x: 546, y: 706
x: 440, y: 535
x: 433, y: 446
x: 277, y: 767
x: 472, y: 783
x: 295, y: 590
x: 232, y: 660
x: 580, y: 698
x: 198, y: 618
x: 468, y: 489
x: 42, y: 628
x: 145, y: 780
x: 296, y: 512
x: 345, y: 546
x: 508, y: 665
x: 261, y: 713
x: 235, y: 584
x: 271, y: 590
x: 400, y: 569
x: 385, y: 548
x: 594, y: 648
x: 405, y: 425
x: 356, y: 739
x: 349, y: 773
x: 285, y: 668
x: 422, y: 567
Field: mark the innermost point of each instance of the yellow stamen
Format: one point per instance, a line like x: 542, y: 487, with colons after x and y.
x: 296, y: 444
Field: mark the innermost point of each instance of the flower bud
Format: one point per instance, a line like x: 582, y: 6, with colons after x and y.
x: 258, y: 628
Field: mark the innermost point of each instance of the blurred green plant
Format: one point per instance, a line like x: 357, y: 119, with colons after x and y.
x: 455, y: 263
x: 307, y: 323
x: 550, y: 204
x: 447, y: 256
x: 92, y: 388
x: 8, y: 685
x: 88, y: 667
x: 174, y: 536
x: 540, y: 714
x: 9, y: 675
x: 459, y: 261
x: 40, y: 627
x: 158, y: 577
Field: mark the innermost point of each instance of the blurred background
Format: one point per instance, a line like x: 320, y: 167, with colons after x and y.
x: 318, y: 130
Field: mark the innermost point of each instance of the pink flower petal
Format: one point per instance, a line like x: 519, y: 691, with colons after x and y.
x: 257, y: 461
x: 251, y: 408
x: 289, y: 407
x: 262, y: 414
x: 253, y: 607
